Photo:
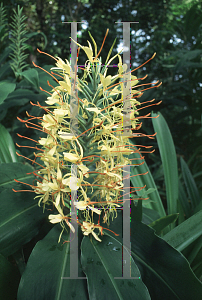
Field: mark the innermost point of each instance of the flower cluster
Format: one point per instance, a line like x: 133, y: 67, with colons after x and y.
x: 98, y: 149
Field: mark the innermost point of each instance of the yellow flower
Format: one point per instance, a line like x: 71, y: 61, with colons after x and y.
x: 88, y: 50
x: 88, y: 228
x: 55, y: 218
x: 61, y: 65
x: 101, y: 115
x: 60, y: 218
x: 82, y: 205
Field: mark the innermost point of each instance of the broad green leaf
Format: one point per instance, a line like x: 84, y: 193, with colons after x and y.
x: 6, y: 88
x: 184, y: 200
x: 187, y: 232
x: 190, y: 184
x: 169, y: 160
x: 47, y: 264
x: 165, y: 271
x: 198, y: 207
x: 7, y: 147
x: 149, y: 215
x: 197, y: 264
x: 102, y: 262
x: 20, y: 260
x: 138, y: 210
x: 142, y: 180
x: 20, y: 216
x: 19, y: 97
x: 9, y: 279
x: 181, y: 217
x: 20, y: 220
x: 162, y: 223
x: 19, y: 171
x: 198, y: 270
x: 32, y: 76
x: 195, y: 250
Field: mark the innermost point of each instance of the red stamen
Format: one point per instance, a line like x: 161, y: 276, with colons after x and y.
x: 27, y: 138
x: 23, y: 191
x: 30, y: 160
x: 45, y: 71
x: 90, y: 129
x: 149, y: 105
x: 46, y: 54
x: 44, y: 91
x: 24, y: 183
x: 55, y: 90
x: 102, y: 44
x: 57, y: 75
x: 30, y: 147
x: 144, y: 63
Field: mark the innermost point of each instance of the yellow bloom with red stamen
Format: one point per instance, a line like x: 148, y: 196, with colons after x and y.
x: 99, y: 149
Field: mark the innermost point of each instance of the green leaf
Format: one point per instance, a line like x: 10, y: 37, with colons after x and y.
x: 5, y: 54
x: 169, y: 269
x: 101, y: 262
x: 198, y: 207
x: 6, y: 88
x: 187, y: 232
x: 7, y: 147
x: 32, y: 76
x: 47, y: 264
x: 162, y: 223
x: 137, y: 213
x: 190, y: 184
x: 195, y: 250
x: 147, y: 179
x: 165, y: 271
x: 184, y: 200
x: 20, y: 216
x: 4, y: 69
x: 9, y: 279
x: 169, y: 160
x: 18, y: 98
x: 149, y: 215
x: 19, y: 171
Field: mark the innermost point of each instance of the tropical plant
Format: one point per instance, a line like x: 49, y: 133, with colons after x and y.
x: 99, y: 151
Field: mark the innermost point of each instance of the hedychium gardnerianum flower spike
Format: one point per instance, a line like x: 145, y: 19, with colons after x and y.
x: 99, y: 151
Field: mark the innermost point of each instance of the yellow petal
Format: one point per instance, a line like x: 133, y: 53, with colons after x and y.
x: 71, y: 157
x: 81, y: 205
x: 53, y: 185
x: 84, y: 169
x: 66, y: 135
x: 55, y: 218
x: 57, y: 201
x: 60, y: 112
x: 96, y: 237
x: 105, y: 80
x: 97, y: 211
x: 133, y: 80
x: 87, y: 50
x: 59, y: 174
